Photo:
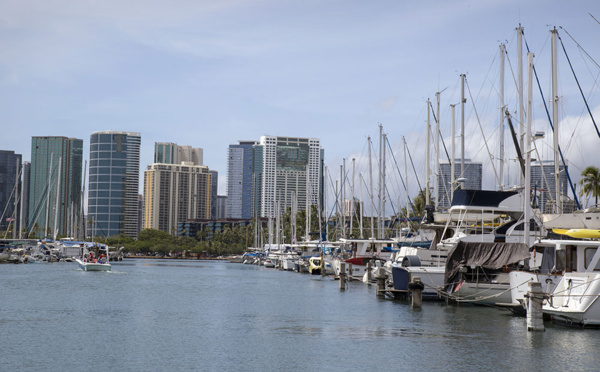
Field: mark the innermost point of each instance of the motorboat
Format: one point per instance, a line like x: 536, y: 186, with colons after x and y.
x: 549, y: 260
x: 268, y: 263
x: 94, y: 257
x: 93, y: 266
x: 315, y: 266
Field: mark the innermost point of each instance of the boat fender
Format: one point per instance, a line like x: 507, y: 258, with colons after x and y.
x: 411, y: 260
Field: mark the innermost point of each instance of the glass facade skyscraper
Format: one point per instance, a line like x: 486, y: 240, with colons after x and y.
x: 114, y: 183
x: 56, y: 163
x: 239, y: 180
x: 10, y: 163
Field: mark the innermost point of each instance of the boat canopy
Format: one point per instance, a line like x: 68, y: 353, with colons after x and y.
x: 486, y: 199
x: 491, y: 256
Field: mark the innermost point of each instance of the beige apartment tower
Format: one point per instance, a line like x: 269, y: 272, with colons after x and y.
x: 174, y: 193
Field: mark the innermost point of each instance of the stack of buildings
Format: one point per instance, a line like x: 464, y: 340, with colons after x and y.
x: 265, y: 177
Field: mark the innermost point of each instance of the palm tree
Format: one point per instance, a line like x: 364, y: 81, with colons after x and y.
x: 590, y: 182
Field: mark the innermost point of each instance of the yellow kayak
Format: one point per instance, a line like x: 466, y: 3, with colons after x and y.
x: 579, y: 233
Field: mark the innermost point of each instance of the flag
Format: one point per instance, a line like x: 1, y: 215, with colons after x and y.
x: 10, y: 219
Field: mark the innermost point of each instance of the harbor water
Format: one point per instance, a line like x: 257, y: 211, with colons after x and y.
x: 177, y: 315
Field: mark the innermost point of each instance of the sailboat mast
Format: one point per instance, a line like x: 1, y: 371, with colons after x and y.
x: 453, y: 156
x: 352, y: 209
x: 406, y: 182
x: 16, y: 205
x: 57, y: 203
x: 427, y: 145
x: 527, y: 190
x: 437, y: 150
x: 501, y: 155
x: 555, y: 121
x: 520, y: 86
x: 371, y: 186
x: 379, y: 194
x: 462, y: 126
x: 48, y: 196
x: 383, y: 197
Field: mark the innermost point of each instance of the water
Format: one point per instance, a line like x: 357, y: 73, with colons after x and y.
x: 167, y: 315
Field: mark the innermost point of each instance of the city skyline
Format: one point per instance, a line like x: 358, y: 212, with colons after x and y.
x: 208, y: 75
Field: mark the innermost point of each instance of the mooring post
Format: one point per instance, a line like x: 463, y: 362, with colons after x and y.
x: 342, y: 276
x: 349, y: 272
x: 535, y: 298
x: 416, y: 289
x: 380, y: 276
x: 369, y: 268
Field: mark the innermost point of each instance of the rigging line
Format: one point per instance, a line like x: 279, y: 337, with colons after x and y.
x: 401, y: 179
x: 440, y: 135
x: 579, y: 46
x: 579, y: 85
x: 481, y: 128
x: 552, y: 126
x: 593, y: 17
x: 414, y: 170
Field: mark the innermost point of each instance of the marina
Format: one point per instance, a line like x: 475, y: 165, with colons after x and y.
x: 209, y: 315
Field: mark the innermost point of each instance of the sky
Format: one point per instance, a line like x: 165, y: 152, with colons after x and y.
x: 210, y: 73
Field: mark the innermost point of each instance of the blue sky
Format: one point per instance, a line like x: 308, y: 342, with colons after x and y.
x: 209, y: 73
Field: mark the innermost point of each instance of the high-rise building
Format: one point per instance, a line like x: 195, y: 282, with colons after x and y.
x: 175, y: 193
x: 114, y: 183
x: 221, y: 207
x: 542, y: 181
x: 470, y: 180
x: 171, y: 153
x: 10, y: 166
x: 239, y: 179
x: 56, y: 164
x: 287, y: 169
x: 214, y: 188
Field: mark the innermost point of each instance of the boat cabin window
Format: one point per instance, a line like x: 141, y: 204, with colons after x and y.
x: 559, y: 263
x: 588, y: 254
x: 372, y: 248
x: 571, y: 262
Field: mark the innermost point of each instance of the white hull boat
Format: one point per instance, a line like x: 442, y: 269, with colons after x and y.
x: 93, y: 266
x: 575, y: 300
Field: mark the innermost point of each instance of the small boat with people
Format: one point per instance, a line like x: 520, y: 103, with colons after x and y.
x: 94, y: 258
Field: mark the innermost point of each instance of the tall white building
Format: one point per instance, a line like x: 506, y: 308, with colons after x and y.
x: 174, y: 193
x: 287, y: 169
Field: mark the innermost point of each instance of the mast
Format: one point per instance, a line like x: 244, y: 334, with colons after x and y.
x: 383, y: 198
x: 555, y: 120
x: 520, y: 86
x: 48, y: 196
x: 21, y: 209
x: 427, y: 170
x: 527, y: 190
x: 501, y: 155
x: 379, y: 194
x: 406, y: 181
x: 361, y: 204
x: 343, y: 195
x: 437, y: 151
x: 371, y: 186
x: 58, y: 195
x: 352, y: 209
x: 16, y: 207
x: 462, y: 125
x: 453, y: 156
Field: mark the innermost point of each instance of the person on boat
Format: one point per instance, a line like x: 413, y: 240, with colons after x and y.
x: 100, y: 259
